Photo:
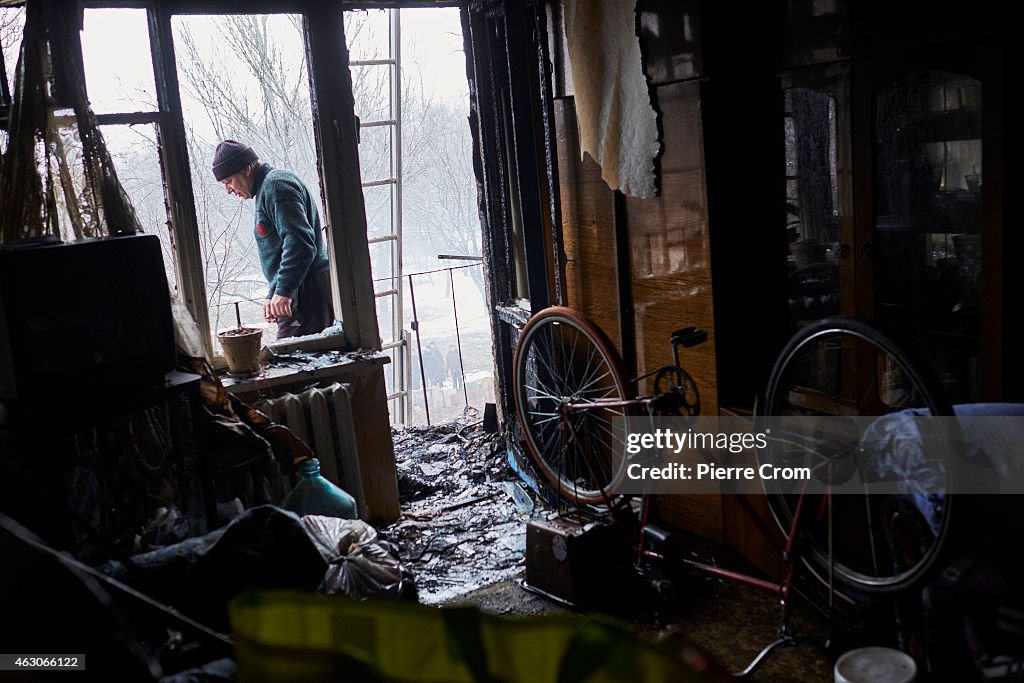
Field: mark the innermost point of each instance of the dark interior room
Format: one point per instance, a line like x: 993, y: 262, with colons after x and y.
x: 509, y: 340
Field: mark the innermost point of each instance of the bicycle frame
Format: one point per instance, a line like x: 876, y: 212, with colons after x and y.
x: 789, y: 550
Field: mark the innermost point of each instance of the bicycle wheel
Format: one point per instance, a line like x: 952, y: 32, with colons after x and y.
x: 868, y: 541
x: 561, y: 360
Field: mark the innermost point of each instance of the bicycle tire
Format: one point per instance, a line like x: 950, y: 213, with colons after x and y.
x: 576, y: 451
x: 900, y: 553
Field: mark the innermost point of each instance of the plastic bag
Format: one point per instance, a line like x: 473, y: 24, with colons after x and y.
x: 358, y: 566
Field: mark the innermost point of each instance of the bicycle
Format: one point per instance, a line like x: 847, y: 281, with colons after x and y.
x: 569, y: 389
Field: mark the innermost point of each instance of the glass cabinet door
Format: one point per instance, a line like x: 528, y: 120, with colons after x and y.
x: 927, y: 205
x: 814, y: 159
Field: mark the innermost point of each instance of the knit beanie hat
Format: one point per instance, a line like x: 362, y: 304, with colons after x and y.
x: 231, y: 157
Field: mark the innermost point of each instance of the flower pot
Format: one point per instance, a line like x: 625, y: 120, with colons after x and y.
x: 241, y: 349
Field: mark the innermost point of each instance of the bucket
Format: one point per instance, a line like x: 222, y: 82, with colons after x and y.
x: 241, y: 349
x: 875, y: 665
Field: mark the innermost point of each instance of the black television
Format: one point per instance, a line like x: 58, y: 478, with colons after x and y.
x: 83, y: 318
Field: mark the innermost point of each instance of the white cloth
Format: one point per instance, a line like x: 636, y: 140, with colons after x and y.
x: 618, y: 126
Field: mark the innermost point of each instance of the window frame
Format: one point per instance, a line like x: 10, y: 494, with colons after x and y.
x: 337, y: 155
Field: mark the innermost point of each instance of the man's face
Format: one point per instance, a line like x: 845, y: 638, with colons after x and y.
x: 239, y: 184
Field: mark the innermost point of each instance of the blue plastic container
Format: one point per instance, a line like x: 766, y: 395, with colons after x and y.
x: 314, y: 495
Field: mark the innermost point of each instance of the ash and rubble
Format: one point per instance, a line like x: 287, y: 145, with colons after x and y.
x: 464, y: 511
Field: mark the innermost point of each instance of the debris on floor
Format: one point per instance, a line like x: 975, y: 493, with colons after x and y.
x: 464, y: 511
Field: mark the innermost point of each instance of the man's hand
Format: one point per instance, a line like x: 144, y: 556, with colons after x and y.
x: 277, y: 307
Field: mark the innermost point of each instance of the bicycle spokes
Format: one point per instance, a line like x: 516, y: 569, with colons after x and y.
x: 569, y: 391
x: 830, y: 373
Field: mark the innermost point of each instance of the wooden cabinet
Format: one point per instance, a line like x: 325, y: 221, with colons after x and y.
x: 927, y: 231
x: 888, y: 211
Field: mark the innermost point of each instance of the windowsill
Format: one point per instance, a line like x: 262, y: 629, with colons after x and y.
x: 290, y: 369
x: 331, y: 339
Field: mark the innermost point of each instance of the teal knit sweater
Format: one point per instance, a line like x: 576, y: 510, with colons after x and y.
x: 288, y: 236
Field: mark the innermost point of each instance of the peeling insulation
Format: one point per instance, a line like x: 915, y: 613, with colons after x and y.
x: 618, y: 126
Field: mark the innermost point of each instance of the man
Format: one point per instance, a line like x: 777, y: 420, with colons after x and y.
x: 288, y: 237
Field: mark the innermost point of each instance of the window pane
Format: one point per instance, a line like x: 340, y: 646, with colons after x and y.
x: 390, y: 381
x: 371, y: 86
x: 242, y: 77
x: 79, y: 209
x: 928, y: 196
x: 812, y: 205
x: 118, y: 64
x: 385, y: 305
x: 78, y: 215
x: 12, y: 23
x: 375, y: 153
x: 381, y: 259
x: 378, y: 210
x: 367, y: 33
x: 137, y: 162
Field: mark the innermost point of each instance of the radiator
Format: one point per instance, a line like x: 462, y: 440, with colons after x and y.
x: 322, y: 417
